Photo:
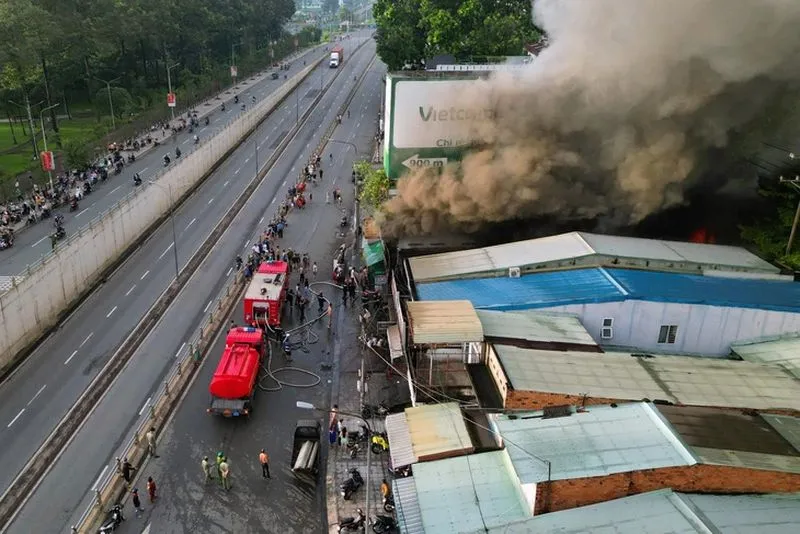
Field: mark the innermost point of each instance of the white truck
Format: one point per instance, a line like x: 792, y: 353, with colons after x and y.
x: 337, y: 56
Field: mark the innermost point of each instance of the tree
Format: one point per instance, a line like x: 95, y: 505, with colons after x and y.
x: 770, y: 234
x: 76, y: 153
x: 374, y: 184
x: 411, y: 30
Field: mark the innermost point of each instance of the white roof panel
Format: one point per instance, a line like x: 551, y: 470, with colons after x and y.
x: 784, y: 352
x: 599, y: 441
x: 535, y: 326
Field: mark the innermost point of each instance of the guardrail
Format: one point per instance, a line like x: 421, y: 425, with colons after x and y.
x: 111, y: 487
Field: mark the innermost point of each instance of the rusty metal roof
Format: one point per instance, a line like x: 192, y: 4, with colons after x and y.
x: 444, y: 322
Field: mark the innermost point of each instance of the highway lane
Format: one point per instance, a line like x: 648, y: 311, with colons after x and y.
x: 32, y: 242
x: 281, y: 504
x: 56, y: 504
x: 68, y: 360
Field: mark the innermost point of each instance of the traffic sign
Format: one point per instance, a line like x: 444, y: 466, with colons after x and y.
x: 171, y: 100
x: 415, y: 161
x: 48, y: 163
x: 234, y: 71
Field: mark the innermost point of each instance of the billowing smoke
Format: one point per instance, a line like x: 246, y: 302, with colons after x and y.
x: 616, y: 119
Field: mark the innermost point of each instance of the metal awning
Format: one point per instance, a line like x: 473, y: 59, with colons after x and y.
x: 395, y: 343
x: 444, y: 322
x: 401, y: 450
x: 409, y: 515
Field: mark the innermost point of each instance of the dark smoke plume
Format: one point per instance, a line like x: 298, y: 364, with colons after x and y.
x: 616, y: 119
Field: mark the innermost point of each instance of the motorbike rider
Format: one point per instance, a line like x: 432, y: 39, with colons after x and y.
x: 207, y: 121
x: 137, y: 180
x: 166, y: 159
x: 196, y: 139
x: 236, y: 99
x: 254, y: 99
x: 178, y: 151
x: 223, y: 106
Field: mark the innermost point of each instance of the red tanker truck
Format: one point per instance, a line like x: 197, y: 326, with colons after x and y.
x: 234, y: 382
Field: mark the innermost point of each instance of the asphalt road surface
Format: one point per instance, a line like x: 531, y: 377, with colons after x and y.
x: 33, y: 241
x: 67, y: 362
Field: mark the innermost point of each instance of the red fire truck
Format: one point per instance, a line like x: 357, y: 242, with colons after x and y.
x: 234, y: 382
x: 266, y: 294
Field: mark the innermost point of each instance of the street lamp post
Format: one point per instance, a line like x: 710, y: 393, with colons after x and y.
x: 27, y: 108
x: 169, y: 86
x: 44, y: 138
x: 110, y: 100
x: 168, y: 190
x: 308, y: 406
x: 233, y: 61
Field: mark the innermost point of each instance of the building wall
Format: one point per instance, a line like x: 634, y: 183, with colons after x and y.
x: 566, y: 494
x: 498, y: 375
x: 702, y: 329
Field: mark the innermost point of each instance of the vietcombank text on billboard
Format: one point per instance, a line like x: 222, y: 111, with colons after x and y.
x: 424, y: 127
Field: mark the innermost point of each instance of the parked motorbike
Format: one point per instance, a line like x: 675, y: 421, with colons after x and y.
x: 400, y: 472
x: 388, y: 503
x: 353, y: 447
x: 383, y: 524
x: 87, y: 188
x: 369, y: 411
x: 350, y: 524
x: 379, y: 443
x: 343, y: 222
x: 370, y: 295
x: 351, y: 485
x: 113, y: 520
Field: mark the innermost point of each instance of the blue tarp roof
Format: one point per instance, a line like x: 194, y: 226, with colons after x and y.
x: 581, y: 286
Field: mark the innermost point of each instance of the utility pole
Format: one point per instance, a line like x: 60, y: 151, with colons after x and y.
x: 110, y: 100
x: 44, y: 138
x: 169, y: 87
x: 234, y: 70
x: 27, y: 108
x: 795, y: 184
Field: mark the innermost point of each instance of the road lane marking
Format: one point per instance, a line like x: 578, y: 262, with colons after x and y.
x: 247, y: 159
x: 273, y: 202
x: 237, y: 170
x: 71, y: 356
x: 210, y: 201
x: 146, y: 404
x: 17, y: 417
x: 261, y: 221
x: 42, y: 239
x: 144, y: 169
x: 82, y: 212
x: 226, y: 183
x: 130, y: 290
x: 112, y: 311
x: 229, y: 272
x: 190, y: 223
x: 147, y: 529
x: 96, y: 482
x: 208, y: 305
x: 37, y: 394
x: 180, y: 349
x: 145, y: 274
x: 113, y: 191
x: 87, y: 339
x: 284, y: 182
x: 165, y: 251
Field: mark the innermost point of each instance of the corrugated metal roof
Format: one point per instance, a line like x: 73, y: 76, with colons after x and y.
x: 401, y: 450
x: 394, y: 341
x: 666, y: 512
x: 784, y: 352
x: 409, y: 516
x: 438, y: 431
x: 535, y: 326
x: 444, y: 322
x: 679, y: 379
x: 599, y: 441
x: 596, y: 284
x: 588, y: 249
x: 468, y: 493
x: 788, y: 427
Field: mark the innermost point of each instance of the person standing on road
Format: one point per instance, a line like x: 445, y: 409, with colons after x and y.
x: 224, y: 471
x: 137, y: 504
x: 329, y: 312
x: 206, y: 469
x: 151, y: 442
x: 220, y: 459
x: 263, y: 458
x: 127, y: 471
x: 151, y: 489
x: 320, y: 174
x: 320, y: 302
x: 314, y: 270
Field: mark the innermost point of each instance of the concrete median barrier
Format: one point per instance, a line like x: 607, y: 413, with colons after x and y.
x: 53, y: 286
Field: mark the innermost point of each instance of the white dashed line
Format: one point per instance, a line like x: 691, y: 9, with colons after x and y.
x: 261, y: 221
x: 96, y: 482
x: 145, y: 274
x: 229, y: 272
x: 190, y: 223
x: 111, y: 312
x: 247, y: 159
x: 144, y: 169
x: 82, y: 212
x: 210, y: 201
x: 17, y: 417
x: 165, y: 251
x: 71, y: 356
x: 237, y: 170
x: 37, y: 394
x: 130, y: 290
x: 226, y: 183
x: 42, y: 239
x: 180, y: 349
x: 146, y: 404
x: 208, y: 306
x: 87, y: 339
x: 113, y: 191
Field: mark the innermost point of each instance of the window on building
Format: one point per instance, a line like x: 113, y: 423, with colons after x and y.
x: 667, y: 333
x: 607, y: 332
